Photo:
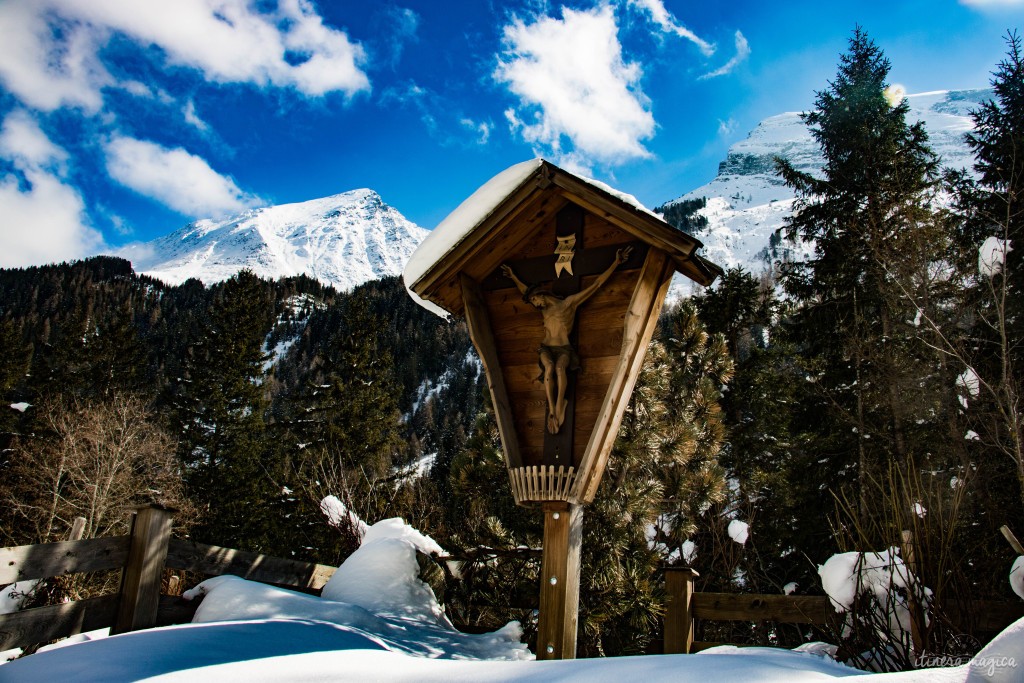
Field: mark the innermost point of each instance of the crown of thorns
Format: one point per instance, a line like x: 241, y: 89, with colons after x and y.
x: 539, y: 288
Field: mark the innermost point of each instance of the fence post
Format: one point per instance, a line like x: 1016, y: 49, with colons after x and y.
x: 679, y: 609
x: 1011, y: 539
x: 77, y: 529
x: 140, y: 580
x: 917, y: 623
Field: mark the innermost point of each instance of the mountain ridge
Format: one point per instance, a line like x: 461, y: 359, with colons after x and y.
x: 342, y: 240
x: 747, y: 202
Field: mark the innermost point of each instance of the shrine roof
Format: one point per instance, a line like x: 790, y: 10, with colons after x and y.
x: 480, y: 215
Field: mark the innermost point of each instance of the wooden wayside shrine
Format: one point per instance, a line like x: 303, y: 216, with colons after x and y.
x: 560, y: 281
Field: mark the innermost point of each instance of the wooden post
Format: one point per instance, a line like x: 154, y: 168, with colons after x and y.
x: 1011, y: 539
x: 679, y: 589
x: 77, y: 529
x: 560, y: 581
x: 917, y: 623
x: 140, y: 580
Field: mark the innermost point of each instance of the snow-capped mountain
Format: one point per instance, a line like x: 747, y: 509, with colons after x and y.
x: 747, y: 202
x: 343, y: 240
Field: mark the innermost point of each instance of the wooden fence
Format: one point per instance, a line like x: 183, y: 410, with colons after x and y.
x: 142, y: 557
x: 148, y: 551
x: 685, y: 606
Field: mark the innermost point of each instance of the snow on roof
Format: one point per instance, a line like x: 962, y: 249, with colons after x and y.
x: 461, y: 222
x: 473, y: 211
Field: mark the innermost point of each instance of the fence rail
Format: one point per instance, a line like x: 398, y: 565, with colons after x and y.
x: 66, y: 557
x: 142, y: 557
x: 214, y: 560
x: 685, y: 606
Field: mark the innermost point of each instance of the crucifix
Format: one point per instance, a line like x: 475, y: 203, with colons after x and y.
x: 557, y: 356
x: 558, y: 289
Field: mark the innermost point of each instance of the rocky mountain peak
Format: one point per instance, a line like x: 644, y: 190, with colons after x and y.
x: 342, y: 240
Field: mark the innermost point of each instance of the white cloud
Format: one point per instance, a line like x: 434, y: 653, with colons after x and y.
x: 24, y: 143
x: 42, y: 218
x: 191, y: 118
x: 482, y: 129
x: 231, y: 42
x: 726, y: 128
x: 43, y: 73
x: 573, y: 84
x: 993, y: 4
x: 228, y: 41
x: 180, y: 180
x: 742, y: 52
x: 664, y: 19
x: 403, y: 23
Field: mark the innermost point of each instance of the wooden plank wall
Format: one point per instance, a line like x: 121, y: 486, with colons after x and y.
x: 599, y: 323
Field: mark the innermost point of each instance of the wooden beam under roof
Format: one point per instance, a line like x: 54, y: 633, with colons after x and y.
x: 537, y: 198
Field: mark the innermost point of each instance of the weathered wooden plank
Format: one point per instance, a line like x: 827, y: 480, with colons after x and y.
x: 41, y: 624
x: 508, y: 304
x: 787, y: 609
x: 143, y: 572
x: 215, y: 561
x: 482, y: 334
x: 596, y: 372
x: 67, y: 557
x: 651, y: 229
x: 600, y: 233
x: 977, y: 616
x: 602, y: 343
x: 175, y: 609
x: 1011, y: 539
x: 640, y: 322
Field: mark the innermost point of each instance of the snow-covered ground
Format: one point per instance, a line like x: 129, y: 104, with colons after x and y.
x: 376, y: 621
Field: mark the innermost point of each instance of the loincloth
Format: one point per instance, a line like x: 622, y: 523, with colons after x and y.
x: 554, y: 353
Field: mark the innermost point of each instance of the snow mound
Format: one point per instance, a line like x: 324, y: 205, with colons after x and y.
x: 339, y: 516
x: 1017, y: 577
x: 376, y: 592
x: 1002, y: 660
x: 845, y: 575
x: 738, y: 531
x: 382, y: 575
x: 992, y: 255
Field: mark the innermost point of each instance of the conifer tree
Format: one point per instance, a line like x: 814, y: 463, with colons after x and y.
x: 14, y: 363
x: 991, y: 232
x: 219, y: 413
x: 342, y: 432
x: 875, y: 238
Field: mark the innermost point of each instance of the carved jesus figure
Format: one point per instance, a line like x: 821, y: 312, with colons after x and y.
x: 556, y: 354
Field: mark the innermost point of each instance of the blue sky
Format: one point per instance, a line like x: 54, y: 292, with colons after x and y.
x: 122, y: 120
